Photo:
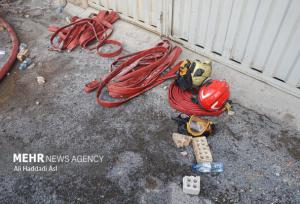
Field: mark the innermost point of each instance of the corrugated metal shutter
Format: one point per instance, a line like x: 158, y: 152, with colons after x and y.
x: 146, y: 13
x: 258, y: 38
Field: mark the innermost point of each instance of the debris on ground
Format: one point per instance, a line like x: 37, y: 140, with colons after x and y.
x: 24, y: 65
x: 191, y: 185
x: 23, y: 54
x: 231, y: 113
x: 23, y: 57
x: 184, y: 153
x: 208, y: 167
x: 41, y: 80
x: 181, y: 140
x: 68, y: 20
x: 32, y: 65
x: 23, y: 46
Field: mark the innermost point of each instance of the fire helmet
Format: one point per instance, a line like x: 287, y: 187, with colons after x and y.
x: 213, y: 95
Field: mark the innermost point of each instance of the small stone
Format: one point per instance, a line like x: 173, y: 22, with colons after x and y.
x: 165, y: 87
x: 184, y: 153
x: 41, y: 80
x: 8, y: 74
x: 276, y: 170
x: 37, y: 103
x: 68, y: 19
x: 31, y: 66
x: 26, y: 16
x: 231, y: 112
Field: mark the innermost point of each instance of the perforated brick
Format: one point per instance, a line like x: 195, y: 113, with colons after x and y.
x: 191, y: 185
x: 201, y: 150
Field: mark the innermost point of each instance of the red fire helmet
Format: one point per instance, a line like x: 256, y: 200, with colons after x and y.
x: 213, y: 95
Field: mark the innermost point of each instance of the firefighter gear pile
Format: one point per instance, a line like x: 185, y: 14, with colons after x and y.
x: 192, y: 94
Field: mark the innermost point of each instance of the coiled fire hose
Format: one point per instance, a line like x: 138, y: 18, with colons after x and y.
x: 84, y: 31
x: 15, y: 48
x: 182, y: 101
x: 136, y: 73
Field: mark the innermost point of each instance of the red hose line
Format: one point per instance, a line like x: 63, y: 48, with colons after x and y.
x: 134, y: 74
x: 182, y: 101
x: 15, y: 48
x: 82, y: 32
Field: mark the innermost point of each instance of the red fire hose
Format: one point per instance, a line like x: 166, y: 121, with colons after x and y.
x: 84, y: 31
x: 134, y: 74
x: 15, y: 48
x: 182, y: 101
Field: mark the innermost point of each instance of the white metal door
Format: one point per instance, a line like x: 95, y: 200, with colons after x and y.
x: 146, y: 13
x: 259, y: 38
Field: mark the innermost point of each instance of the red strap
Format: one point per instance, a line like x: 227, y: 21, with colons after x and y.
x: 53, y: 28
x: 110, y: 54
x: 89, y: 87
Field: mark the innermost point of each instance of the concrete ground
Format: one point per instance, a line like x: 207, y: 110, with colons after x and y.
x: 141, y: 164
